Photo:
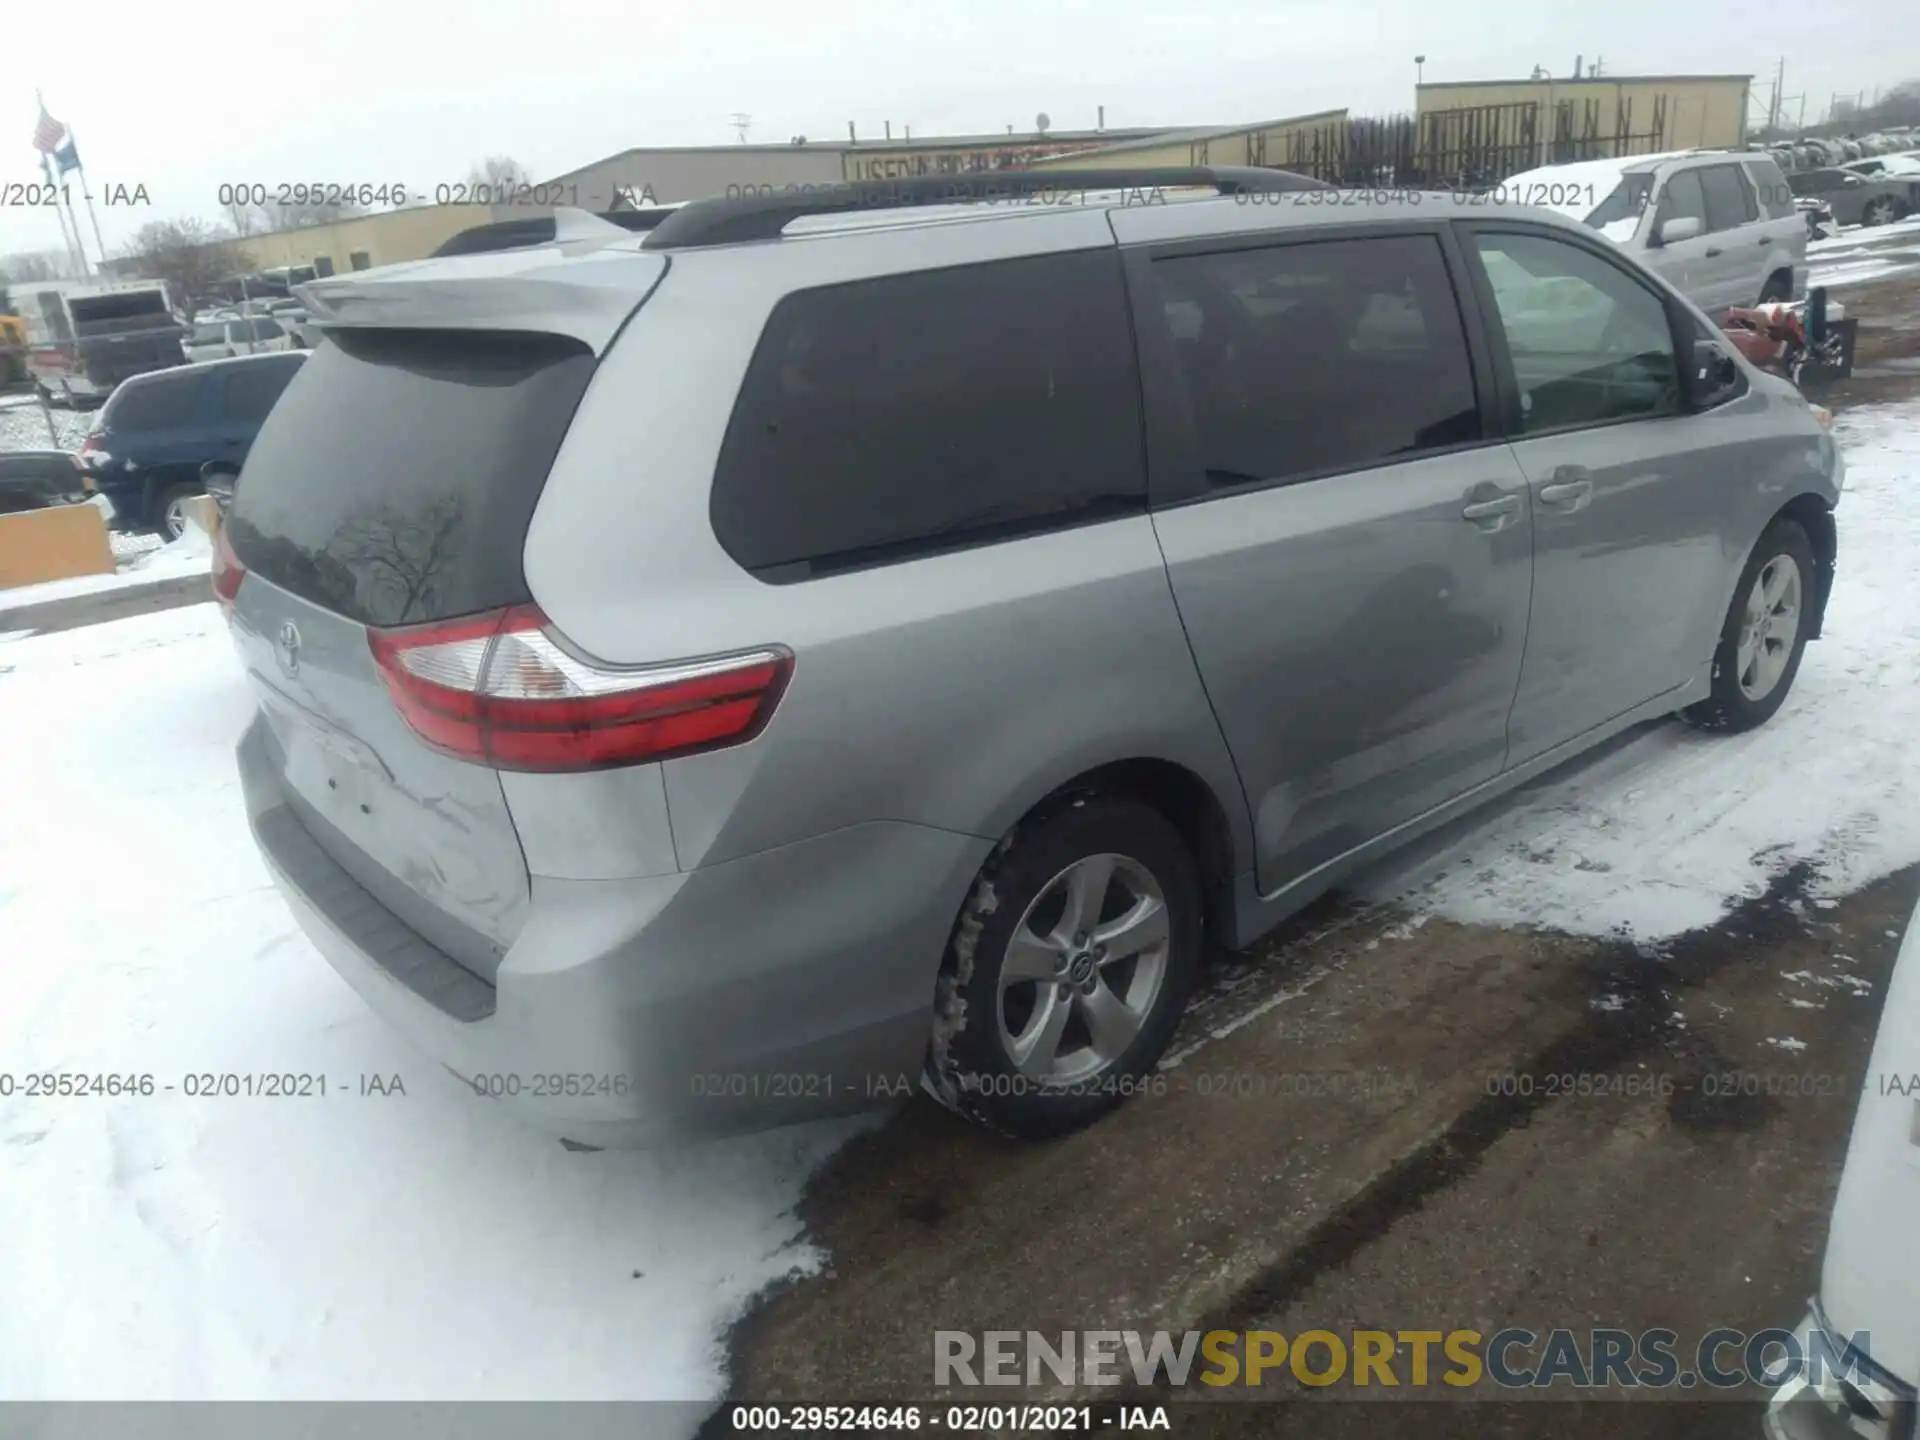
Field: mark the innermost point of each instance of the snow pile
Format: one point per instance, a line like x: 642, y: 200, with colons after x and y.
x: 416, y: 1246
x: 1663, y: 832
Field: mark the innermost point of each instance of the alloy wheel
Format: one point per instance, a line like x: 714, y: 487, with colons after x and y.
x: 1769, y: 629
x: 1084, y: 968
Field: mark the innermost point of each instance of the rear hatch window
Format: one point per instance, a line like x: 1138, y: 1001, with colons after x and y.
x: 394, y: 481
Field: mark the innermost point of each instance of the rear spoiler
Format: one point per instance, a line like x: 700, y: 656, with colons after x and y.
x: 587, y: 292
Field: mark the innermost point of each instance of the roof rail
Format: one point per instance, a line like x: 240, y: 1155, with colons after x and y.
x: 763, y: 217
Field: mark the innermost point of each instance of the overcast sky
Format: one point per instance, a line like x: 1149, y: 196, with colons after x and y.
x: 182, y: 97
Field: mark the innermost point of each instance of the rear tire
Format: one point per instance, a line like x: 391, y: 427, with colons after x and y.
x: 1776, y: 290
x: 1879, y: 212
x: 1764, y: 635
x: 167, y: 509
x: 1068, y: 968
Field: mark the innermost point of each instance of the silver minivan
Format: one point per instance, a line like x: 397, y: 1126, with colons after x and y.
x: 876, y: 636
x: 1720, y: 227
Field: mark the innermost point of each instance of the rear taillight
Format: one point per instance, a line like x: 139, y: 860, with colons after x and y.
x: 228, y: 572
x: 497, y: 688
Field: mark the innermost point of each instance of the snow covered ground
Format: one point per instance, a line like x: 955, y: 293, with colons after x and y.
x: 23, y: 425
x: 1664, y: 832
x: 419, y: 1246
x: 422, y: 1246
x: 1861, y: 253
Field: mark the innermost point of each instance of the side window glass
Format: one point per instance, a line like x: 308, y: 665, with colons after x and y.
x: 1682, y: 195
x: 1330, y: 355
x: 1589, y: 344
x: 1729, y: 205
x: 894, y: 417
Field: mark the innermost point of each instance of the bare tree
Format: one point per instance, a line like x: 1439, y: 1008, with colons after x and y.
x: 27, y: 266
x: 190, y: 255
x: 499, y: 176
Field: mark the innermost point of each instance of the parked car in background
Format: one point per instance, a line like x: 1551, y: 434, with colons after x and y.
x: 85, y: 337
x: 1720, y: 227
x: 149, y: 442
x: 1864, y: 1324
x: 221, y: 339
x: 1854, y: 199
x: 1905, y: 162
x: 291, y: 316
x: 754, y: 761
x: 36, y: 479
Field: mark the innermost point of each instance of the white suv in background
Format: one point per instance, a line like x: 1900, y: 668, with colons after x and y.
x: 1720, y: 227
x: 223, y: 337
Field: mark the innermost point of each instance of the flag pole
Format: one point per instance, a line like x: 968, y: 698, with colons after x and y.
x: 86, y: 265
x: 66, y: 239
x: 87, y: 191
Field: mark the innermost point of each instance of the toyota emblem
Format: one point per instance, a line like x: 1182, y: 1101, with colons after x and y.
x: 288, y: 647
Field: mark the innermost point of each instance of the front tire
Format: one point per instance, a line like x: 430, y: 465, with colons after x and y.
x: 1068, y: 968
x: 1878, y: 212
x: 1776, y: 290
x: 1764, y: 635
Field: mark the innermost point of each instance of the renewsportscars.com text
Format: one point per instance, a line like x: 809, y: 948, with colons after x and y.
x: 1510, y: 1359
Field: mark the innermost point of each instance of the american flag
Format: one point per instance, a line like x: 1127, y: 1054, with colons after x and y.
x: 49, y: 134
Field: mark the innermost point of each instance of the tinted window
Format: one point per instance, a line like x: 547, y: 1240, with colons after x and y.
x: 395, y: 479
x: 1326, y: 356
x: 1729, y: 204
x: 1589, y: 344
x: 252, y: 389
x: 1815, y: 182
x: 898, y: 415
x: 1682, y: 195
x: 262, y: 329
x: 1776, y: 197
x: 152, y: 405
x: 208, y: 335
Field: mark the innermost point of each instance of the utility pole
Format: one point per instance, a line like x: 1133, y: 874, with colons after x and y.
x: 1773, y: 106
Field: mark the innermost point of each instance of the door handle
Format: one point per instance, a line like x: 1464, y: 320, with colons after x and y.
x: 1713, y: 251
x: 1497, y: 508
x: 1766, y: 240
x: 1568, y: 494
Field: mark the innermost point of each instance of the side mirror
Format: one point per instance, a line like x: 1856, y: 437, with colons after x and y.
x: 1680, y: 227
x: 1855, y: 180
x: 1713, y: 376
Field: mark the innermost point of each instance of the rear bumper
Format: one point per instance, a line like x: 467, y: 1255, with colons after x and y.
x: 781, y: 987
x: 1862, y: 1402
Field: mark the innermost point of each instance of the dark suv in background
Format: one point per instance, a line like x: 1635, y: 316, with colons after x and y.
x: 150, y: 441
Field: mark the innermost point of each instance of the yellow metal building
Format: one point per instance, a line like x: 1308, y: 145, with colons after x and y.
x: 364, y: 241
x: 1611, y: 115
x: 1265, y: 142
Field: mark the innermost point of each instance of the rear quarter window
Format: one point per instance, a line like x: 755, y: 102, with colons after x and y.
x: 151, y: 405
x: 895, y: 417
x: 1770, y: 188
x: 394, y: 480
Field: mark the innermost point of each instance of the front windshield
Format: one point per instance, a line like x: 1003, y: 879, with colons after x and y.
x: 1627, y: 201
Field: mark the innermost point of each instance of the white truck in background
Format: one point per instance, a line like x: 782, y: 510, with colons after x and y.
x: 85, y: 336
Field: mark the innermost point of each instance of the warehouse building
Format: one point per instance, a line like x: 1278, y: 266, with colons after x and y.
x: 665, y: 175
